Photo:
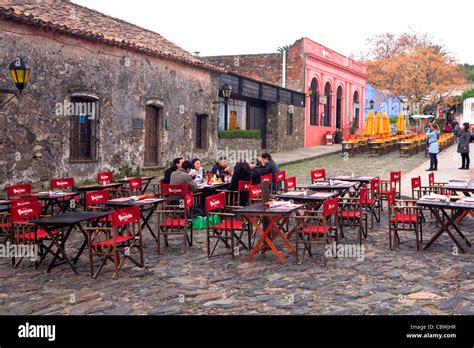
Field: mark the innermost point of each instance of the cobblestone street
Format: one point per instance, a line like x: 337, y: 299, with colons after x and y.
x: 402, y: 281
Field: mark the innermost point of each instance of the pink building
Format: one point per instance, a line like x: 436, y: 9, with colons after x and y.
x: 334, y: 84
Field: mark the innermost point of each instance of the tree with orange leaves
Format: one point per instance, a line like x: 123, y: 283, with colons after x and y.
x: 412, y: 67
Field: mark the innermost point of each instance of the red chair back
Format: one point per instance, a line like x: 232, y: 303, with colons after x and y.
x: 363, y: 195
x: 330, y: 206
x: 174, y: 189
x: 255, y: 192
x: 391, y: 197
x: 244, y: 185
x: 375, y: 184
x: 318, y: 174
x: 105, y: 177
x: 280, y: 176
x: 215, y: 202
x: 28, y: 212
x: 188, y: 200
x: 18, y: 190
x: 62, y: 184
x: 266, y: 177
x: 415, y: 183
x: 97, y: 197
x: 395, y: 176
x: 20, y: 202
x: 431, y: 179
x: 290, y: 183
x: 135, y: 184
x: 125, y: 216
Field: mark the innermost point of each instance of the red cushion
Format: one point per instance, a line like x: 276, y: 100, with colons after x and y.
x: 369, y: 201
x: 412, y: 218
x: 350, y: 214
x: 110, y: 242
x: 225, y: 225
x: 174, y: 223
x: 40, y: 234
x: 314, y: 230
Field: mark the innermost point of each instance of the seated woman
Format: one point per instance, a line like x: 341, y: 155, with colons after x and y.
x: 197, y: 172
x: 257, y: 171
x: 241, y: 172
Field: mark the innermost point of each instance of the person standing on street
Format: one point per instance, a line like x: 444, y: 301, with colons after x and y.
x: 433, y: 148
x: 463, y: 146
x: 457, y: 131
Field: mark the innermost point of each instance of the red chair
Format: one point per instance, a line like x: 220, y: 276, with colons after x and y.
x: 17, y: 191
x: 255, y: 194
x: 135, y: 186
x: 403, y: 215
x: 63, y: 184
x: 290, y: 183
x: 26, y: 233
x: 373, y: 202
x: 93, y: 201
x: 227, y: 229
x: 416, y: 191
x: 318, y: 175
x: 279, y: 185
x: 173, y: 220
x: 105, y: 177
x: 437, y: 187
x: 394, y: 183
x: 266, y: 177
x: 318, y: 228
x: 116, y: 242
x: 353, y: 213
x: 5, y: 221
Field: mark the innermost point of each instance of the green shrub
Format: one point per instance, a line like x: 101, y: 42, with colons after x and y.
x: 468, y: 93
x: 239, y: 134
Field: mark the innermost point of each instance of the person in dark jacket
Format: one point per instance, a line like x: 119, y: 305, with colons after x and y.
x: 221, y: 167
x: 257, y: 170
x: 241, y: 172
x: 177, y: 163
x: 270, y: 165
x: 463, y: 146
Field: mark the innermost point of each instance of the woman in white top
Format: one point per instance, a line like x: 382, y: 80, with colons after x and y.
x: 196, y: 171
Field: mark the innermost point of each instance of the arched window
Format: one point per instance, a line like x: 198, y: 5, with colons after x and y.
x: 314, y: 103
x: 83, y: 115
x: 356, y: 108
x: 327, y: 106
x: 339, y: 107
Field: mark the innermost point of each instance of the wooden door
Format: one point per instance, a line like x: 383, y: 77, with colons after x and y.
x: 257, y: 119
x: 152, y: 136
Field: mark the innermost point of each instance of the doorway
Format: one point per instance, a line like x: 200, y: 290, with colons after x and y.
x: 257, y: 119
x: 339, y: 107
x: 152, y: 136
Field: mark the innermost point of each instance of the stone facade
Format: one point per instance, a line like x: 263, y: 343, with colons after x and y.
x: 36, y: 142
x: 278, y: 139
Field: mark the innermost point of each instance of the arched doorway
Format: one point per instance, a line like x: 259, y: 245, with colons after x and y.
x: 356, y: 108
x: 314, y: 103
x: 327, y: 106
x: 339, y: 107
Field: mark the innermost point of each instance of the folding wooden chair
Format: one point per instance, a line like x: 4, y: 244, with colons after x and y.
x: 116, y: 242
x: 404, y: 215
x: 28, y: 234
x: 244, y: 188
x: 318, y: 175
x: 353, y: 213
x: 290, y: 184
x: 255, y: 194
x: 175, y: 220
x: 266, y: 177
x: 278, y: 185
x: 105, y: 177
x: 317, y: 228
x: 229, y: 231
x: 5, y: 218
x: 18, y: 191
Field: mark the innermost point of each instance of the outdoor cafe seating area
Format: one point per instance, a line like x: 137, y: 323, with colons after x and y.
x: 275, y: 219
x: 378, y: 139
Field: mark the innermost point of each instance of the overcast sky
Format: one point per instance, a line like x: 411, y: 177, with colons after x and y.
x: 217, y: 27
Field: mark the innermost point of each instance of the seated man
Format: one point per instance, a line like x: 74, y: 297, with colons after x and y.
x: 270, y: 165
x: 221, y: 167
x: 177, y: 163
x: 181, y: 176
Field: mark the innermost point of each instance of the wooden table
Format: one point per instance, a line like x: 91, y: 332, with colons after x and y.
x: 314, y: 200
x: 459, y: 208
x: 273, y: 219
x: 340, y: 187
x: 145, y: 180
x: 466, y: 186
x: 147, y: 208
x: 60, y: 199
x: 356, y: 178
x: 68, y: 221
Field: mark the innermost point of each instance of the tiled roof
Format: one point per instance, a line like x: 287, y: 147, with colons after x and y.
x: 68, y: 18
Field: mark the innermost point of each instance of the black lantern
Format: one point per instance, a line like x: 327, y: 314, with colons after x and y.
x: 226, y: 91
x: 371, y: 103
x: 20, y: 73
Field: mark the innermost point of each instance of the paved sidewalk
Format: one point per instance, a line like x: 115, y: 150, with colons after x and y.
x: 448, y: 163
x: 305, y: 153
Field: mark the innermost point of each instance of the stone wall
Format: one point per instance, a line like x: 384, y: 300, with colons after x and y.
x: 235, y: 149
x: 35, y: 141
x: 278, y: 139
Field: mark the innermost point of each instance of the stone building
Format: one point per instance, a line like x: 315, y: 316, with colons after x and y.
x: 103, y: 95
x: 335, y: 84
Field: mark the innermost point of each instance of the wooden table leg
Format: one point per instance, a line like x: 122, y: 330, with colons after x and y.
x: 445, y: 227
